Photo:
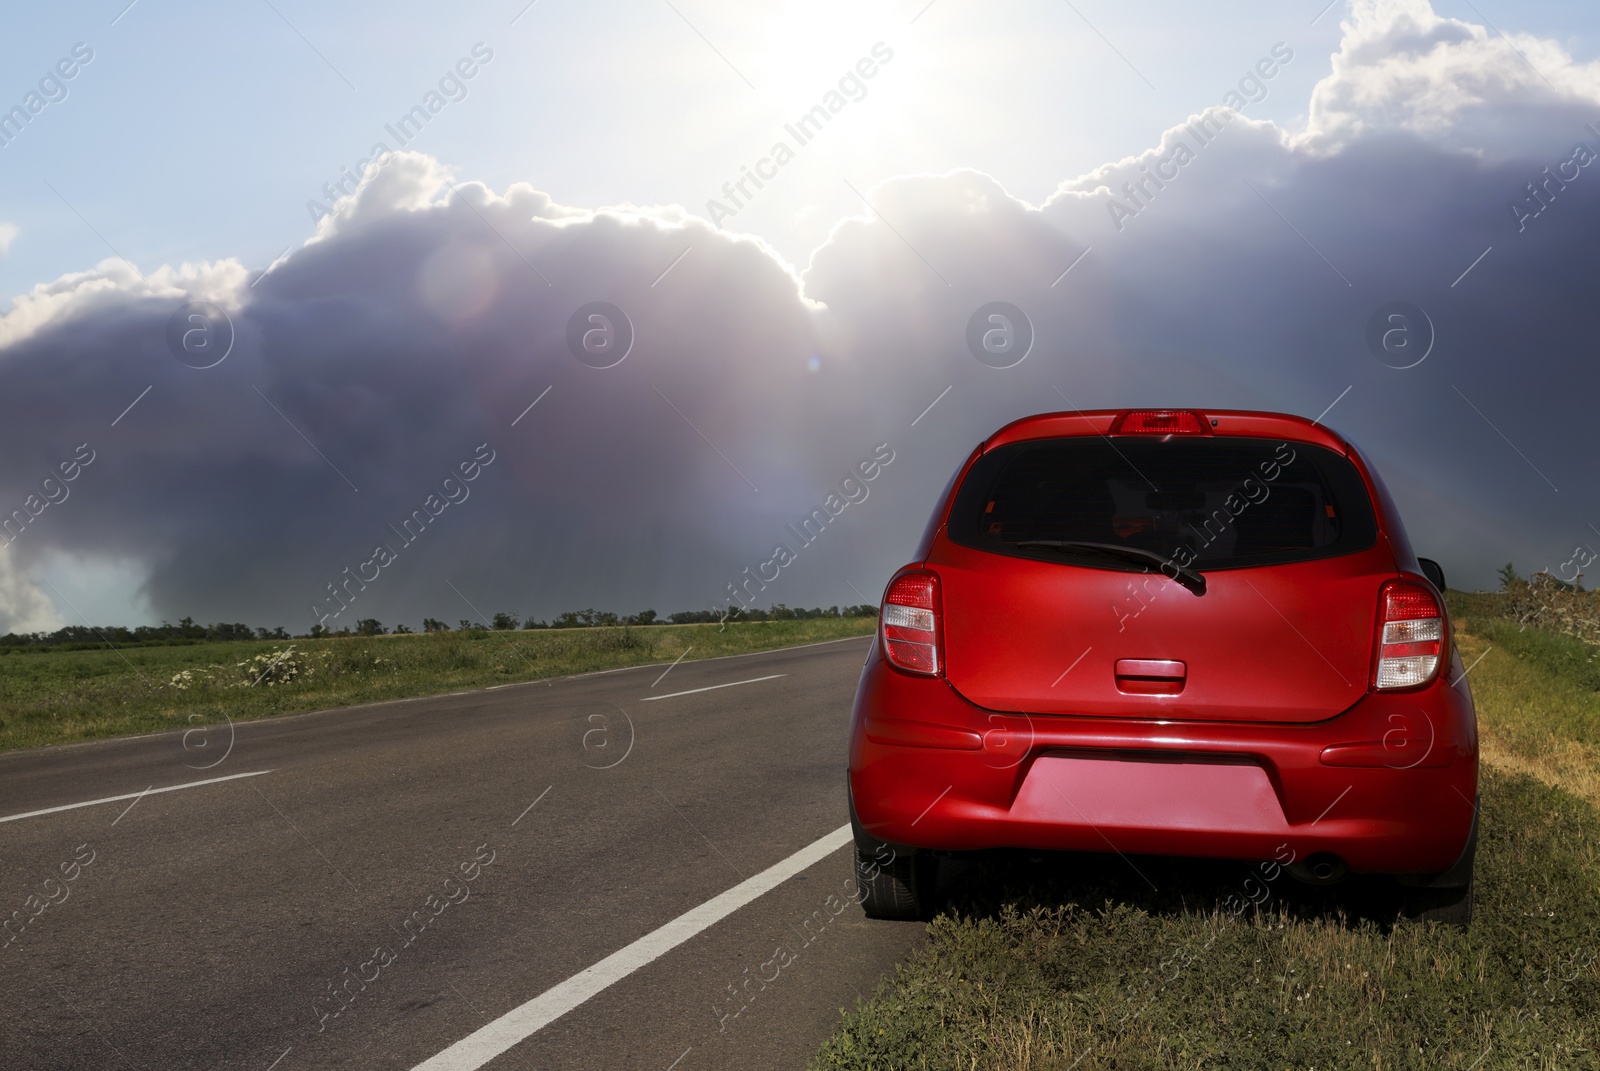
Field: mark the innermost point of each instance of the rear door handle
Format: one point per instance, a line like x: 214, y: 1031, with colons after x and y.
x: 1150, y: 676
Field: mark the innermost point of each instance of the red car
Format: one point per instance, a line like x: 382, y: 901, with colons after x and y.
x: 1167, y: 632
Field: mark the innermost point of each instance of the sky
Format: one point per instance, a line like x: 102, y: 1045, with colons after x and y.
x: 1194, y: 207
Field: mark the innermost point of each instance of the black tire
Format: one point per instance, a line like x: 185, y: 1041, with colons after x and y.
x: 1448, y: 907
x: 892, y: 882
x: 894, y: 885
x: 1446, y: 898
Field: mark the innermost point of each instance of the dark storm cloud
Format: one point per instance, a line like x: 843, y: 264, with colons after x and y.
x: 422, y: 322
x: 397, y: 344
x: 1211, y: 298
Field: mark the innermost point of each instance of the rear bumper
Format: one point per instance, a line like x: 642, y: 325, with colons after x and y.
x: 1388, y: 786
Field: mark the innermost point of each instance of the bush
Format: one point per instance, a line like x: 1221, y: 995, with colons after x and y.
x: 272, y: 668
x: 1545, y: 602
x: 590, y: 618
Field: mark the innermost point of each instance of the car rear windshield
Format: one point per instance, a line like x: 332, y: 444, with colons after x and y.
x: 1204, y: 502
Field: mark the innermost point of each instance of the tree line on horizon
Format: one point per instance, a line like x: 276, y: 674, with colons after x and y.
x: 186, y: 631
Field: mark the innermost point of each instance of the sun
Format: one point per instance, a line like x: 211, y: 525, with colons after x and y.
x: 805, y: 48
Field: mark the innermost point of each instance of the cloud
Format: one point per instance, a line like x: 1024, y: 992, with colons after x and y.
x: 1400, y: 66
x: 8, y: 234
x: 426, y: 315
x: 24, y: 607
x: 414, y: 328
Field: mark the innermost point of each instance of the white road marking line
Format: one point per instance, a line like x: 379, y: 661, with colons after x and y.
x: 518, y: 1024
x: 652, y: 665
x: 130, y: 795
x: 712, y: 688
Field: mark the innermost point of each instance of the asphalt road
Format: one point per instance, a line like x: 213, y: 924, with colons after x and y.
x: 425, y: 867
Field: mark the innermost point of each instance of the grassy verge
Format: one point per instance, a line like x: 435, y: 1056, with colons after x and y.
x: 1538, y: 707
x: 1566, y: 659
x: 59, y: 697
x: 1079, y: 963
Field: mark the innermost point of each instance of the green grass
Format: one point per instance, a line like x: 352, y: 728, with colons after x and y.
x: 1534, y: 718
x: 1475, y: 604
x: 1562, y: 657
x: 1035, y: 965
x: 63, y: 696
x: 1076, y: 962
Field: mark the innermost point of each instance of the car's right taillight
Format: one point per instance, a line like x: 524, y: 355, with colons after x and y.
x: 909, y: 624
x: 1411, y: 636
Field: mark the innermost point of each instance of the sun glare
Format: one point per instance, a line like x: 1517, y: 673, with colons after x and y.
x: 806, y: 48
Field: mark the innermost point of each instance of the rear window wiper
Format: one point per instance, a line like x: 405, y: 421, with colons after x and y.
x: 1187, y: 577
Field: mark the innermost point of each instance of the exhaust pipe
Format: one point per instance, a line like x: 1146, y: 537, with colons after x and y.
x: 1323, y: 868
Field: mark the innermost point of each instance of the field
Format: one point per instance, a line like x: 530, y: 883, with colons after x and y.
x: 54, y: 697
x: 1078, y: 963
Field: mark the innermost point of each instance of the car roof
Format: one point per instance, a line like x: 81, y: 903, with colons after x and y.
x: 1223, y: 422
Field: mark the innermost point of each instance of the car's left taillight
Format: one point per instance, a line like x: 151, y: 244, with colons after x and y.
x: 909, y: 624
x: 1411, y: 637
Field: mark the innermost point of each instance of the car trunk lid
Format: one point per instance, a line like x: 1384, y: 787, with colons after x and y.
x: 1285, y: 643
x: 1283, y: 534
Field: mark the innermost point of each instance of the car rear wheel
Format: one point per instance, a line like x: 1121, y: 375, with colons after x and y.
x: 1447, y: 899
x: 1448, y: 907
x: 894, y: 885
